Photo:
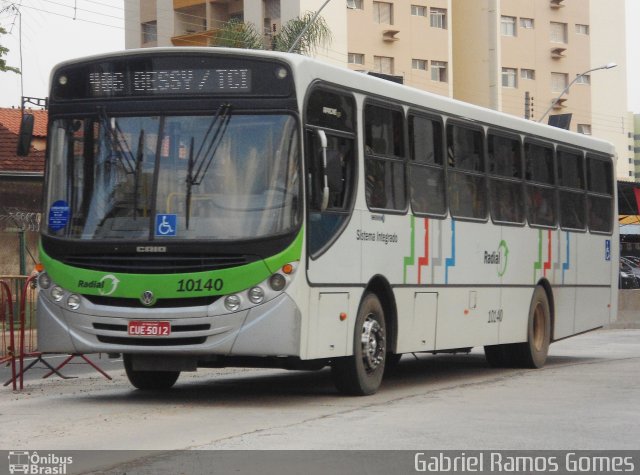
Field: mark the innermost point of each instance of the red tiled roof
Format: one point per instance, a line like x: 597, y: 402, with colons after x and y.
x: 10, y: 162
x: 10, y: 118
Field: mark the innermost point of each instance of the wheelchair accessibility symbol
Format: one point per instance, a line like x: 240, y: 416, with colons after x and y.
x: 166, y: 224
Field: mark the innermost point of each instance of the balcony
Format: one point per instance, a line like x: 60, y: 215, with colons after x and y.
x: 558, y: 52
x: 556, y: 3
x: 178, y: 4
x: 390, y: 35
x: 198, y: 38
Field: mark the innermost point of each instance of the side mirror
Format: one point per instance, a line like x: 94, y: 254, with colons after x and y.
x: 26, y: 135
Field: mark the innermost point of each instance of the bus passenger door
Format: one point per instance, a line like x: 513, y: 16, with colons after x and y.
x: 331, y: 174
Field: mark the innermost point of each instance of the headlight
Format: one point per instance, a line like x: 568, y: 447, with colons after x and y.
x: 57, y: 293
x: 232, y: 302
x: 277, y: 282
x: 73, y: 302
x: 44, y: 281
x: 256, y: 295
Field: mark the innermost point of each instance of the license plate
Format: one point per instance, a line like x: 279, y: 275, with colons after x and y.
x: 149, y: 328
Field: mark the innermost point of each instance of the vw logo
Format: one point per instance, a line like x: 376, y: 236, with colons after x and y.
x: 147, y: 298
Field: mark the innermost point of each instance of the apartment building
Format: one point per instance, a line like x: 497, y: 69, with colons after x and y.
x: 516, y: 56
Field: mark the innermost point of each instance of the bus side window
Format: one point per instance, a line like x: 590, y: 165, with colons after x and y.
x: 600, y: 194
x: 466, y: 181
x: 572, y: 195
x: 541, y: 193
x: 426, y: 170
x: 505, y: 164
x: 384, y: 165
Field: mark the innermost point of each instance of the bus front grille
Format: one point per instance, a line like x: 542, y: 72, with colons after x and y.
x: 160, y: 303
x: 117, y: 340
x: 137, y: 264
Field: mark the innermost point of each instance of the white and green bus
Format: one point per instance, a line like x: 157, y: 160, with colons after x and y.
x: 210, y: 207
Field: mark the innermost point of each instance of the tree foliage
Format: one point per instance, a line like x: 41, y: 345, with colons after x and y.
x: 318, y: 34
x: 237, y: 34
x: 4, y: 51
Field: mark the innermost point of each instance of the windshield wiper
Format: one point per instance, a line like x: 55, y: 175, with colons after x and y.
x: 203, y: 161
x: 124, y: 156
x: 136, y: 176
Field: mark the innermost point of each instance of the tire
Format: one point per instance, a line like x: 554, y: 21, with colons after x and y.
x: 533, y: 353
x: 361, y: 374
x: 149, y: 380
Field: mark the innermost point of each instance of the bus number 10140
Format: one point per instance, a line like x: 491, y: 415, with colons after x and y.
x: 200, y: 285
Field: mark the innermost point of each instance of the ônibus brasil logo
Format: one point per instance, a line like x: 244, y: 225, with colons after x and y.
x: 23, y: 461
x: 106, y: 286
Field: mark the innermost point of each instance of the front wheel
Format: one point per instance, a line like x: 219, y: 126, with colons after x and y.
x: 149, y: 380
x: 361, y: 374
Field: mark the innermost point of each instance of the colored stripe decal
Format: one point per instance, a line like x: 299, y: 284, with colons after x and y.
x: 538, y: 265
x: 451, y: 261
x: 424, y: 260
x: 547, y: 264
x: 410, y: 260
x: 566, y: 265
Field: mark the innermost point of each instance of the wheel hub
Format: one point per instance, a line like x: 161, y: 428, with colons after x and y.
x: 373, y: 344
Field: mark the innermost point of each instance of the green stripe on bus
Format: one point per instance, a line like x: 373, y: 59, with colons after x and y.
x: 193, y: 284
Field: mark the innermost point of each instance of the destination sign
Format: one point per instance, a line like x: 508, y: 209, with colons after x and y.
x: 170, y: 74
x: 170, y: 81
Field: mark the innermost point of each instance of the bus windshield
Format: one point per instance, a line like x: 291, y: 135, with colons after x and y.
x: 219, y: 177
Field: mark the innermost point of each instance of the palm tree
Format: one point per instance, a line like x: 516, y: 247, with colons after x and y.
x: 318, y: 33
x: 237, y: 34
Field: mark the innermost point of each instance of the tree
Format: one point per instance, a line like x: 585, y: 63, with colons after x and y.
x: 237, y: 34
x: 317, y: 34
x: 4, y: 51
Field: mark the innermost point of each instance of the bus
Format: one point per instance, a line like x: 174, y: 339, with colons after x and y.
x: 210, y: 207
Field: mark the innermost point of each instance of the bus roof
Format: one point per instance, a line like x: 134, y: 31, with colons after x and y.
x: 310, y: 70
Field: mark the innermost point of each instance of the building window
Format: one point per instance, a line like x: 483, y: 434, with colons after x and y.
x: 149, y: 32
x: 383, y: 13
x: 509, y: 77
x: 558, y: 81
x: 582, y: 29
x: 526, y: 23
x: 418, y: 10
x: 383, y: 64
x: 439, y: 71
x: 356, y: 58
x: 558, y: 32
x: 528, y: 74
x: 356, y: 4
x: 508, y: 26
x: 584, y: 129
x: 584, y: 79
x: 420, y: 64
x: 438, y: 18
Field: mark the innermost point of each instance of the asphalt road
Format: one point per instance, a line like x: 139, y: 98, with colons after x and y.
x: 586, y: 397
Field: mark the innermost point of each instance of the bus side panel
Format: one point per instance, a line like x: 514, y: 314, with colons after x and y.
x: 518, y: 254
x: 593, y: 304
x: 565, y: 279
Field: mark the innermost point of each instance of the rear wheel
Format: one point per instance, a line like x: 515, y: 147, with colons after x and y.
x: 149, y: 380
x: 361, y: 374
x: 533, y: 352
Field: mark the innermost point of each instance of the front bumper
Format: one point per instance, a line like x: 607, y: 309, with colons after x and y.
x: 269, y: 329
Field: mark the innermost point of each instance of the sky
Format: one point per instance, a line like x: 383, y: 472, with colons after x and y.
x: 57, y: 30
